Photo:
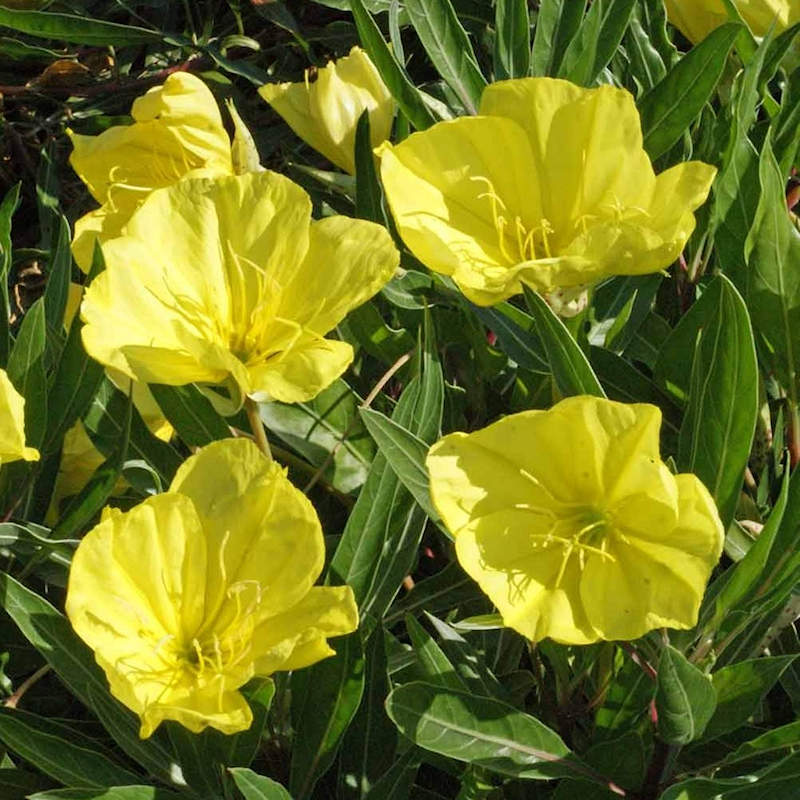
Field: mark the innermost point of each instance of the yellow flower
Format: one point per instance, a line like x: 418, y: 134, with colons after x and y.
x: 229, y: 281
x: 697, y: 18
x: 12, y: 424
x: 190, y: 594
x: 573, y: 526
x: 325, y: 113
x: 177, y: 132
x: 549, y: 186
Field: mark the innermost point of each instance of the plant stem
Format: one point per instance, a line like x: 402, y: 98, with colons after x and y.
x: 257, y: 426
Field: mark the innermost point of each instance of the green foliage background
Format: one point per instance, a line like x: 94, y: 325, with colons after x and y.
x: 430, y: 698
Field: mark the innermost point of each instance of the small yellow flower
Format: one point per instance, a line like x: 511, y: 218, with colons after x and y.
x: 190, y: 594
x: 573, y: 526
x: 697, y: 18
x: 177, y: 132
x: 548, y: 186
x: 229, y: 281
x: 12, y: 424
x: 324, y: 113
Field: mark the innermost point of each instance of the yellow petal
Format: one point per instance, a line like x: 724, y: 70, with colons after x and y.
x: 587, y: 144
x: 110, y: 595
x: 348, y: 261
x: 227, y: 712
x: 441, y: 186
x: 302, y: 372
x: 12, y: 424
x: 259, y: 528
x: 177, y: 130
x: 506, y: 552
x: 297, y: 637
x: 185, y: 285
x: 324, y: 113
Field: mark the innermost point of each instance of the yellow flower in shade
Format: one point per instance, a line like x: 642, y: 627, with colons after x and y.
x: 548, y: 186
x: 324, y: 113
x: 190, y: 594
x: 697, y: 18
x: 12, y: 424
x: 573, y: 526
x: 229, y: 281
x: 177, y: 132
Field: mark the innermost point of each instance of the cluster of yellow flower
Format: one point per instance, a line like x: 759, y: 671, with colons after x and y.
x: 215, y: 275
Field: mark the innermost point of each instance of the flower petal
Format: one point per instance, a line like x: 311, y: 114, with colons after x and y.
x: 586, y: 144
x: 289, y: 640
x: 110, y: 597
x: 533, y: 588
x: 197, y: 710
x: 441, y: 185
x: 12, y: 424
x: 325, y: 113
x: 301, y: 372
x: 348, y: 261
x: 260, y: 529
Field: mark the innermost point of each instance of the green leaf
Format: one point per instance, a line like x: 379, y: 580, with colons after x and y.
x: 7, y: 209
x: 402, y: 89
x: 368, y: 188
x: 626, y: 701
x: 448, y: 47
x: 26, y: 370
x: 368, y: 749
x: 396, y: 783
x: 596, y: 41
x: 479, y: 731
x: 405, y: 454
x: 512, y: 44
x: 670, y: 107
x: 257, y: 787
x: 720, y: 420
x: 112, y: 793
x: 325, y: 697
x: 78, y: 30
x: 328, y: 424
x: 556, y: 24
x: 516, y: 334
x: 76, y: 380
x: 624, y: 383
x: 365, y: 327
x: 91, y: 499
x: 568, y: 364
x: 772, y: 291
x: 781, y: 738
x: 741, y: 580
x: 52, y: 635
x: 685, y: 698
x: 444, y: 591
x: 434, y: 666
x: 58, y: 275
x: 380, y: 540
x: 469, y: 664
x: 739, y: 689
x: 105, y: 423
x: 190, y: 413
x: 59, y: 751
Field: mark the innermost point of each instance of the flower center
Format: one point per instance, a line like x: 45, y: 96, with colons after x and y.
x: 516, y: 241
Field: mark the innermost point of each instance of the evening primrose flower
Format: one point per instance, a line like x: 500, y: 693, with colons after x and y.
x: 229, y: 281
x: 193, y: 592
x: 12, y: 424
x: 548, y: 186
x: 324, y: 113
x: 573, y: 526
x: 697, y: 18
x: 177, y: 132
